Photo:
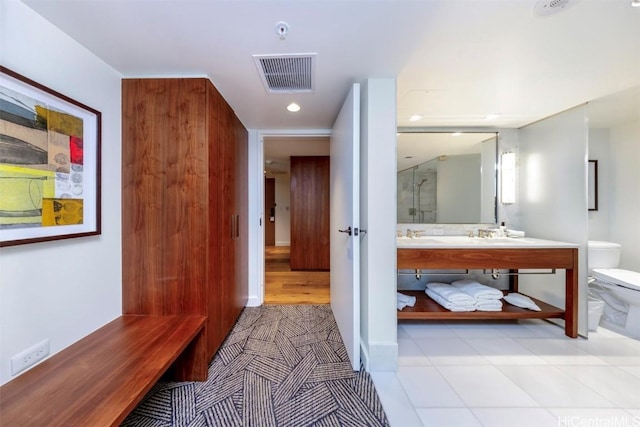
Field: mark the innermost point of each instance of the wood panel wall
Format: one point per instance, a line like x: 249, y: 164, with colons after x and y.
x: 310, y: 213
x: 184, y: 203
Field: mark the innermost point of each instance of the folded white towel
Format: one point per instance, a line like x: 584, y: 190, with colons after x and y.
x: 401, y: 305
x: 477, y: 290
x: 522, y: 301
x: 489, y: 305
x: 448, y: 304
x: 450, y: 293
x: 408, y: 299
x: 515, y: 233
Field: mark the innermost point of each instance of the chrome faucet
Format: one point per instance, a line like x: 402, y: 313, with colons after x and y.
x: 486, y: 232
x: 415, y: 233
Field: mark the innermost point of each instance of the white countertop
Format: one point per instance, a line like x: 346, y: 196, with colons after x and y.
x: 464, y: 242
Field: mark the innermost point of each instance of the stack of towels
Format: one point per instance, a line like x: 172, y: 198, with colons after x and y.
x: 405, y: 300
x: 465, y: 295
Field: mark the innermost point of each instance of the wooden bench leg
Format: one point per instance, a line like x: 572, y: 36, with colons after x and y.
x: 192, y: 364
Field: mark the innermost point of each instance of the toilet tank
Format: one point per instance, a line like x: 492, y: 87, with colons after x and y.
x: 603, y: 254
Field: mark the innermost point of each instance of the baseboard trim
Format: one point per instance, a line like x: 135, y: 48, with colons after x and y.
x: 364, y: 357
x: 382, y: 356
x: 254, y: 302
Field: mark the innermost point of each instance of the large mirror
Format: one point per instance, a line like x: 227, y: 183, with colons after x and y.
x: 447, y: 177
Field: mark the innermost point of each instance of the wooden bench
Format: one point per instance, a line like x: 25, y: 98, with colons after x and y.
x: 98, y: 380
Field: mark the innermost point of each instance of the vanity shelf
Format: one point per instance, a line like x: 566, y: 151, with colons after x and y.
x: 543, y: 255
x: 427, y: 309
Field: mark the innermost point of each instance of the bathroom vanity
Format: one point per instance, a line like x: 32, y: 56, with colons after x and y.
x: 461, y: 252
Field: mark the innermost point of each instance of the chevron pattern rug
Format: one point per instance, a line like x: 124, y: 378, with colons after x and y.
x: 281, y: 366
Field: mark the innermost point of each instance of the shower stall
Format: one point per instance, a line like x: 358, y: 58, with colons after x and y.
x: 417, y: 194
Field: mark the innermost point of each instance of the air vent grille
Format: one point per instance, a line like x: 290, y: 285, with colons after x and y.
x: 286, y: 73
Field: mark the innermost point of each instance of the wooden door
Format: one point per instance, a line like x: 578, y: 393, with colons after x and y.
x: 269, y: 211
x: 163, y: 266
x: 228, y: 216
x: 310, y: 213
x: 241, y: 143
x: 216, y: 285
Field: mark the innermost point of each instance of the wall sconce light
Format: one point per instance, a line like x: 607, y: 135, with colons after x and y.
x: 508, y: 178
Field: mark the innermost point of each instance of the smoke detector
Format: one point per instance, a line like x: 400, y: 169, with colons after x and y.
x: 282, y: 28
x: 550, y: 7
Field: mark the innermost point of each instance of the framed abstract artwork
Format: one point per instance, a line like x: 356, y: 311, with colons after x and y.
x: 49, y: 164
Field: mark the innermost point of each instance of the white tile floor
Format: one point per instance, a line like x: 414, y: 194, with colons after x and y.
x: 525, y: 373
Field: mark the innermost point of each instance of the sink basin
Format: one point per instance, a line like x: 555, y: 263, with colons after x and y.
x: 462, y: 241
x: 418, y: 241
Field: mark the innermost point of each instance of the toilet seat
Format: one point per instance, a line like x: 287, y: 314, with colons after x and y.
x: 616, y: 276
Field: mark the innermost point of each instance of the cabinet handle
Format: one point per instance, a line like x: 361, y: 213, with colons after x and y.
x: 233, y: 226
x: 237, y: 225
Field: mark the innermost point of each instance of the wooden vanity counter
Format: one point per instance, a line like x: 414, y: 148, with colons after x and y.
x: 527, y: 254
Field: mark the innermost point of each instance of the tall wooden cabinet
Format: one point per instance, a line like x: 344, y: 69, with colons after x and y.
x: 184, y: 202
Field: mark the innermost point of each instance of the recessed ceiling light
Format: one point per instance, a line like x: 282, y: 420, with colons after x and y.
x: 635, y: 3
x: 492, y: 116
x: 456, y: 134
x: 293, y: 107
x: 415, y: 118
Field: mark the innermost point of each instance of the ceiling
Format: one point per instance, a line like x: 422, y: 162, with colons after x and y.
x: 455, y: 60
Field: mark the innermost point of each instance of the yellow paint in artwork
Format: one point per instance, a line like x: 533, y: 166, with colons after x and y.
x: 62, y: 212
x: 60, y: 122
x: 21, y: 192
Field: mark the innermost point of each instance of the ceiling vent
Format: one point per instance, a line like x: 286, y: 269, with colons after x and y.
x: 287, y: 73
x: 549, y: 7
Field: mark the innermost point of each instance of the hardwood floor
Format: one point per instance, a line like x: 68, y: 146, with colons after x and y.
x: 283, y: 286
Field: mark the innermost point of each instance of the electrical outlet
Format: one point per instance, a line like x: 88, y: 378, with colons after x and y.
x: 29, y: 357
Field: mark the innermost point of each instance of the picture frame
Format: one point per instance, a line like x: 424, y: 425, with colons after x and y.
x: 50, y: 164
x: 592, y: 185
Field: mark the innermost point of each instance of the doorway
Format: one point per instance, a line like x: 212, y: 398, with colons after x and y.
x: 282, y: 284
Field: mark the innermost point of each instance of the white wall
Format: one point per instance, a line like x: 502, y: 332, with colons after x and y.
x: 283, y: 212
x: 256, y: 219
x: 617, y: 150
x: 378, y: 317
x: 62, y: 290
x: 624, y: 217
x: 459, y: 189
x: 553, y: 197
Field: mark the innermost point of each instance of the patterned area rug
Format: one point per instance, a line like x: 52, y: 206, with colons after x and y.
x: 283, y: 366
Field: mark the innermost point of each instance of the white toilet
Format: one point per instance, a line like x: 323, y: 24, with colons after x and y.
x: 622, y: 311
